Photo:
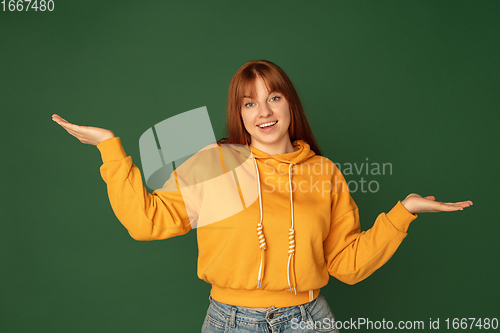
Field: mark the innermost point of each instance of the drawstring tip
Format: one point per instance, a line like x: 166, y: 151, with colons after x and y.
x: 295, y: 291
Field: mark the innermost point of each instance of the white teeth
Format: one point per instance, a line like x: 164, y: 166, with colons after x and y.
x: 267, y: 124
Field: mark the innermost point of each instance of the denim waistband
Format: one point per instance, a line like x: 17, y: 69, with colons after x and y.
x: 271, y: 314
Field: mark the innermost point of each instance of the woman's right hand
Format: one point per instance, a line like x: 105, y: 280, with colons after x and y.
x: 86, y: 134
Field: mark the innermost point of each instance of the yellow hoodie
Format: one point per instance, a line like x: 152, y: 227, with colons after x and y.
x: 277, y: 251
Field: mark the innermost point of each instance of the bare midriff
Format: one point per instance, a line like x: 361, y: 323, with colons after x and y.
x: 261, y: 309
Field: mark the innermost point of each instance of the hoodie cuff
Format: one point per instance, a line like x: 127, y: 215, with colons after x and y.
x: 111, y: 150
x: 401, y: 217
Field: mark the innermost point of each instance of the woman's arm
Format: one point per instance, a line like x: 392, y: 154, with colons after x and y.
x: 146, y: 216
x: 351, y: 255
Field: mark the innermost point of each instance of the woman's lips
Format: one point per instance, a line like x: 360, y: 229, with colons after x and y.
x: 268, y: 128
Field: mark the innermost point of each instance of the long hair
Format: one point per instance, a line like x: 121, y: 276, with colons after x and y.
x: 276, y: 80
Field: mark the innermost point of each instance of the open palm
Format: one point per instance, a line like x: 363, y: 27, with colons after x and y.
x: 415, y: 203
x: 86, y: 134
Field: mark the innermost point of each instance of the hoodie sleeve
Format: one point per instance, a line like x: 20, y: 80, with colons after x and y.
x: 351, y: 255
x: 146, y: 216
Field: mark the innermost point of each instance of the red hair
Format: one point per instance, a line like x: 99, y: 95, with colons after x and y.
x: 275, y: 80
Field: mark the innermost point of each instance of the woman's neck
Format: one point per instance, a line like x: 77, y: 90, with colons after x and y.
x: 278, y: 148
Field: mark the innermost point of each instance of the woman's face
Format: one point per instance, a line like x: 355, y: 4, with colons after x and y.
x: 270, y: 107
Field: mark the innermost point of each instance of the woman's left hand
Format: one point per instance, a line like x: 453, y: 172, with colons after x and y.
x: 415, y: 203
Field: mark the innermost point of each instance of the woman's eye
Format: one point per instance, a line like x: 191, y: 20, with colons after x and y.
x: 277, y: 99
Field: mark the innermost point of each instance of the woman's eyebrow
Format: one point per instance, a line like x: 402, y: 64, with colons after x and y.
x: 271, y: 93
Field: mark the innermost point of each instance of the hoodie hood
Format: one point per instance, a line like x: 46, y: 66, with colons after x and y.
x: 302, y: 153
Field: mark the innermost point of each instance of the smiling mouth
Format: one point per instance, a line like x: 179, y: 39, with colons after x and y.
x: 267, y: 125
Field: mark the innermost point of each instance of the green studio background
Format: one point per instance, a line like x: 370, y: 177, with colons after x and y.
x: 411, y: 83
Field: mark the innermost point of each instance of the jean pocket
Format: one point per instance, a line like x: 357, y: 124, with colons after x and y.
x: 214, y: 322
x: 212, y: 325
x: 321, y: 316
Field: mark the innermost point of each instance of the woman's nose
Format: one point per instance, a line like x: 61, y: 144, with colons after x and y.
x: 265, y: 111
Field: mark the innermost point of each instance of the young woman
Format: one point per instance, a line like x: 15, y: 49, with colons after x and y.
x: 267, y: 262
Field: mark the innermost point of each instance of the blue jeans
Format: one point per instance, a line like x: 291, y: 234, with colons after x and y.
x: 314, y: 316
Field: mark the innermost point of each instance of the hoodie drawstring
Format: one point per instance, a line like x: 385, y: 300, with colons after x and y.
x: 291, y: 238
x: 291, y: 241
x: 262, y: 239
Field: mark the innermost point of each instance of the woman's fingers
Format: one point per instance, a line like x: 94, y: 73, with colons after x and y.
x: 57, y: 119
x: 60, y: 119
x: 437, y: 206
x: 418, y: 204
x: 452, y: 206
x: 465, y: 203
x: 461, y: 203
x: 85, y: 134
x: 72, y: 129
x: 65, y: 124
